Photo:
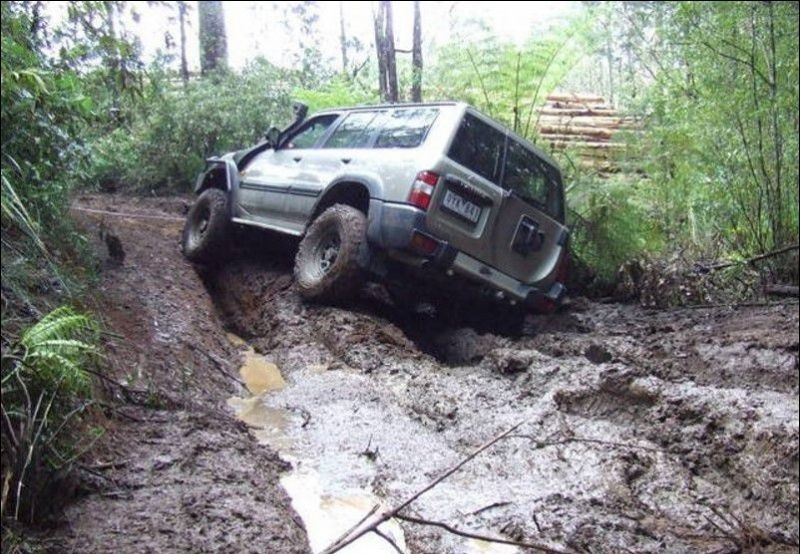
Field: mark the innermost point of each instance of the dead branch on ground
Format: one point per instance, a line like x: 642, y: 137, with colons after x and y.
x: 362, y: 528
x: 476, y: 536
x: 748, y: 261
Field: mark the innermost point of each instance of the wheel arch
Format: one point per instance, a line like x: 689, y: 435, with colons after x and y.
x: 218, y: 173
x: 352, y: 191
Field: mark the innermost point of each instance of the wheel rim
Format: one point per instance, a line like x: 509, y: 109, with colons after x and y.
x: 326, y: 253
x: 200, y: 226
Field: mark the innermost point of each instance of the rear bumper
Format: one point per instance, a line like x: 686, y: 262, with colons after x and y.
x: 392, y: 227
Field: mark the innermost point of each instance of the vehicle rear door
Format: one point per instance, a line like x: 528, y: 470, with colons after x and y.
x: 466, y: 202
x: 528, y: 236
x: 499, y: 202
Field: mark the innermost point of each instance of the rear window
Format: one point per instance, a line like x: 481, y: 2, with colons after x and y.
x: 506, y: 162
x: 479, y: 147
x: 405, y: 128
x: 533, y: 180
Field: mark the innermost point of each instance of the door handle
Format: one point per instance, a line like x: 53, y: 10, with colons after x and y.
x: 297, y: 158
x: 346, y: 160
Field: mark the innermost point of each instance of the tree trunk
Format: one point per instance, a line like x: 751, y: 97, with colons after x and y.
x: 416, y: 57
x: 342, y: 38
x: 377, y: 20
x: 391, y: 62
x: 182, y: 9
x: 213, y: 42
x: 114, y: 60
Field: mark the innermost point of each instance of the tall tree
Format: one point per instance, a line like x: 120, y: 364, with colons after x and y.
x: 384, y: 48
x: 377, y: 20
x: 213, y: 41
x: 391, y: 61
x: 183, y: 8
x: 342, y: 38
x: 416, y: 57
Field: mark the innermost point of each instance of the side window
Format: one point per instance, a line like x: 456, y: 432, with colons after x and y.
x: 405, y: 128
x: 308, y: 135
x: 354, y: 132
x: 528, y: 176
x: 479, y: 147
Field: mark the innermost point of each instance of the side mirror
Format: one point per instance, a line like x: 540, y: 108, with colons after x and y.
x: 273, y: 136
x: 300, y: 110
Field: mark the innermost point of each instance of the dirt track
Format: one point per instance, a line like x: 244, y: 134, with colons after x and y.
x: 645, y: 430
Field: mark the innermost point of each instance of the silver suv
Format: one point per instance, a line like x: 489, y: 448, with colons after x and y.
x: 438, y: 191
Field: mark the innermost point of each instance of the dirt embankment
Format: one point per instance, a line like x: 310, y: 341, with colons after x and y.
x: 645, y: 430
x: 175, y: 472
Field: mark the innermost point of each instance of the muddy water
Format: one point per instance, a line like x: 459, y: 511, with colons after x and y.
x: 657, y: 420
x: 328, y: 489
x: 327, y: 512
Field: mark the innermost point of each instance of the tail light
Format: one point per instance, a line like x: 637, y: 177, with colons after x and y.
x: 422, y: 189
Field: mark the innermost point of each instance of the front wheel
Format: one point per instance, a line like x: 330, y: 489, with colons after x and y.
x: 205, y: 234
x: 326, y: 267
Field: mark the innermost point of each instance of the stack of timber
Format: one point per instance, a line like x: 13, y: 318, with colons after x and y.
x: 584, y: 125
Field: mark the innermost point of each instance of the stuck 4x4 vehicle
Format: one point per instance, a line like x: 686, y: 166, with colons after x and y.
x: 434, y: 193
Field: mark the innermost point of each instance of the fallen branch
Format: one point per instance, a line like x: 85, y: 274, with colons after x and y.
x: 476, y: 536
x: 108, y: 465
x: 546, y: 443
x: 749, y: 261
x: 782, y: 290
x: 733, y: 305
x: 222, y: 365
x: 489, y: 507
x: 359, y: 529
x: 388, y: 539
x: 128, y: 215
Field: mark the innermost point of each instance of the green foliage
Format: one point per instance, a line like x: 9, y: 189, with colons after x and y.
x: 611, y: 224
x: 41, y: 112
x: 165, y: 144
x: 338, y: 92
x: 44, y: 386
x: 503, y: 80
x: 718, y: 83
x: 56, y: 347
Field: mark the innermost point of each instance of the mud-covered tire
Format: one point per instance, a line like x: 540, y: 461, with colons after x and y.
x: 326, y: 268
x: 207, y: 228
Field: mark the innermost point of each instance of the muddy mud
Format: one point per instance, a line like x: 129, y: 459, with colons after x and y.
x: 645, y: 430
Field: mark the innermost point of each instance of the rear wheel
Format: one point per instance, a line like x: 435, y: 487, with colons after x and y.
x: 326, y: 267
x: 205, y: 234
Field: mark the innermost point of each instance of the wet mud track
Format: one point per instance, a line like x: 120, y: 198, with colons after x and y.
x: 174, y: 471
x: 644, y: 430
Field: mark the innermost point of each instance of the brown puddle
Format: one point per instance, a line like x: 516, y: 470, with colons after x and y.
x: 325, y: 516
x: 258, y: 374
x: 260, y: 377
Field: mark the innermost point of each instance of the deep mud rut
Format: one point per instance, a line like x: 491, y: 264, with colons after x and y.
x: 644, y: 430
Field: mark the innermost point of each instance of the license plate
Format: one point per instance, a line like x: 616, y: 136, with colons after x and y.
x: 461, y: 206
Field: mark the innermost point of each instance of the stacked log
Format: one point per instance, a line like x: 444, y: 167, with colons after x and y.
x: 586, y: 126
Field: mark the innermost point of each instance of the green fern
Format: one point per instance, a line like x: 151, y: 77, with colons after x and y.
x: 57, y: 346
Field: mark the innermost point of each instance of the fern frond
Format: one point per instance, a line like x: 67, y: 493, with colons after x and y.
x: 57, y: 346
x: 67, y: 345
x: 58, y: 324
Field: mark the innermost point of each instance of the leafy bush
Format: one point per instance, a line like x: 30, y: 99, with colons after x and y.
x: 41, y: 113
x: 337, y: 92
x: 165, y: 146
x: 611, y: 223
x: 44, y: 386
